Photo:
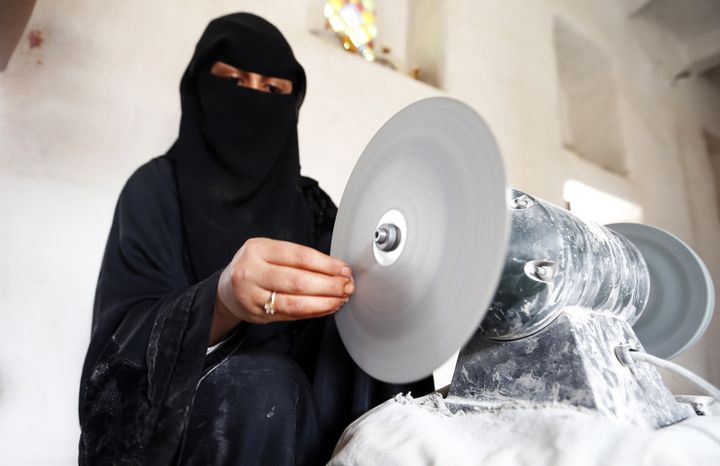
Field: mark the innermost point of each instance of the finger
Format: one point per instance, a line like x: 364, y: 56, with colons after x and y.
x: 323, y: 314
x: 292, y: 307
x: 298, y: 256
x: 253, y: 301
x: 294, y: 281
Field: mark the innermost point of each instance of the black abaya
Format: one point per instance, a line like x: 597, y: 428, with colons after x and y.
x: 279, y: 393
x: 272, y: 394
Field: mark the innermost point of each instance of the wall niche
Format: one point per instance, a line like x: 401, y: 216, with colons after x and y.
x: 409, y: 36
x: 712, y: 146
x: 589, y: 103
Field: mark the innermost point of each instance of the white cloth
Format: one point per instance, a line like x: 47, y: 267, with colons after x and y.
x: 407, y: 431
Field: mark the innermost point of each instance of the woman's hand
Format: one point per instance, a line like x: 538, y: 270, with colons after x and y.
x: 307, y: 284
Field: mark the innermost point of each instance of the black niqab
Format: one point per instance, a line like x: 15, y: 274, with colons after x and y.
x: 238, y: 166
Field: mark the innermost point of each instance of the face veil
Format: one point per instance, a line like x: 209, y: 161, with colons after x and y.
x: 238, y: 168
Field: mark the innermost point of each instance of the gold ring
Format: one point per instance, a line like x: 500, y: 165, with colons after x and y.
x: 270, y: 305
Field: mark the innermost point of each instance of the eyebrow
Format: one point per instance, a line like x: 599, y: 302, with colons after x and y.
x: 229, y: 67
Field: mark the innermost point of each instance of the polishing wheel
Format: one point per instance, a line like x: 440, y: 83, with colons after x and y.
x: 423, y: 223
x: 682, y: 296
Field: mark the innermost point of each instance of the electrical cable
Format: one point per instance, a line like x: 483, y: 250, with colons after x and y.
x: 688, y: 375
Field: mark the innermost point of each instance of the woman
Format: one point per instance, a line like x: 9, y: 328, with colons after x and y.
x: 221, y: 240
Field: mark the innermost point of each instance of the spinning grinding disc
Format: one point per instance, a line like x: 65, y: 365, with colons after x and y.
x: 423, y: 223
x: 682, y: 297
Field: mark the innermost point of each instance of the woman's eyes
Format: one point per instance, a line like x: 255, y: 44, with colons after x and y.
x: 240, y: 81
x: 273, y: 89
x: 236, y: 80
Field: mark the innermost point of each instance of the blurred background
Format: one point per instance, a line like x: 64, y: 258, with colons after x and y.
x: 610, y: 108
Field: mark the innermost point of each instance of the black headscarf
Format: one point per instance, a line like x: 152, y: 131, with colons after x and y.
x: 238, y: 167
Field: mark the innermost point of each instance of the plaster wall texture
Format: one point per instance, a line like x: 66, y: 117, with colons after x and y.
x: 100, y: 96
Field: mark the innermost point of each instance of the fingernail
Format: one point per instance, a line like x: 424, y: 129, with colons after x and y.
x: 347, y: 299
x: 349, y: 288
x: 346, y: 271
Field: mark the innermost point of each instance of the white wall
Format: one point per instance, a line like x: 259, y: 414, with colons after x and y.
x: 100, y: 97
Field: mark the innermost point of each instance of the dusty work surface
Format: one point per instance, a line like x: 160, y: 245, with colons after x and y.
x: 420, y: 431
